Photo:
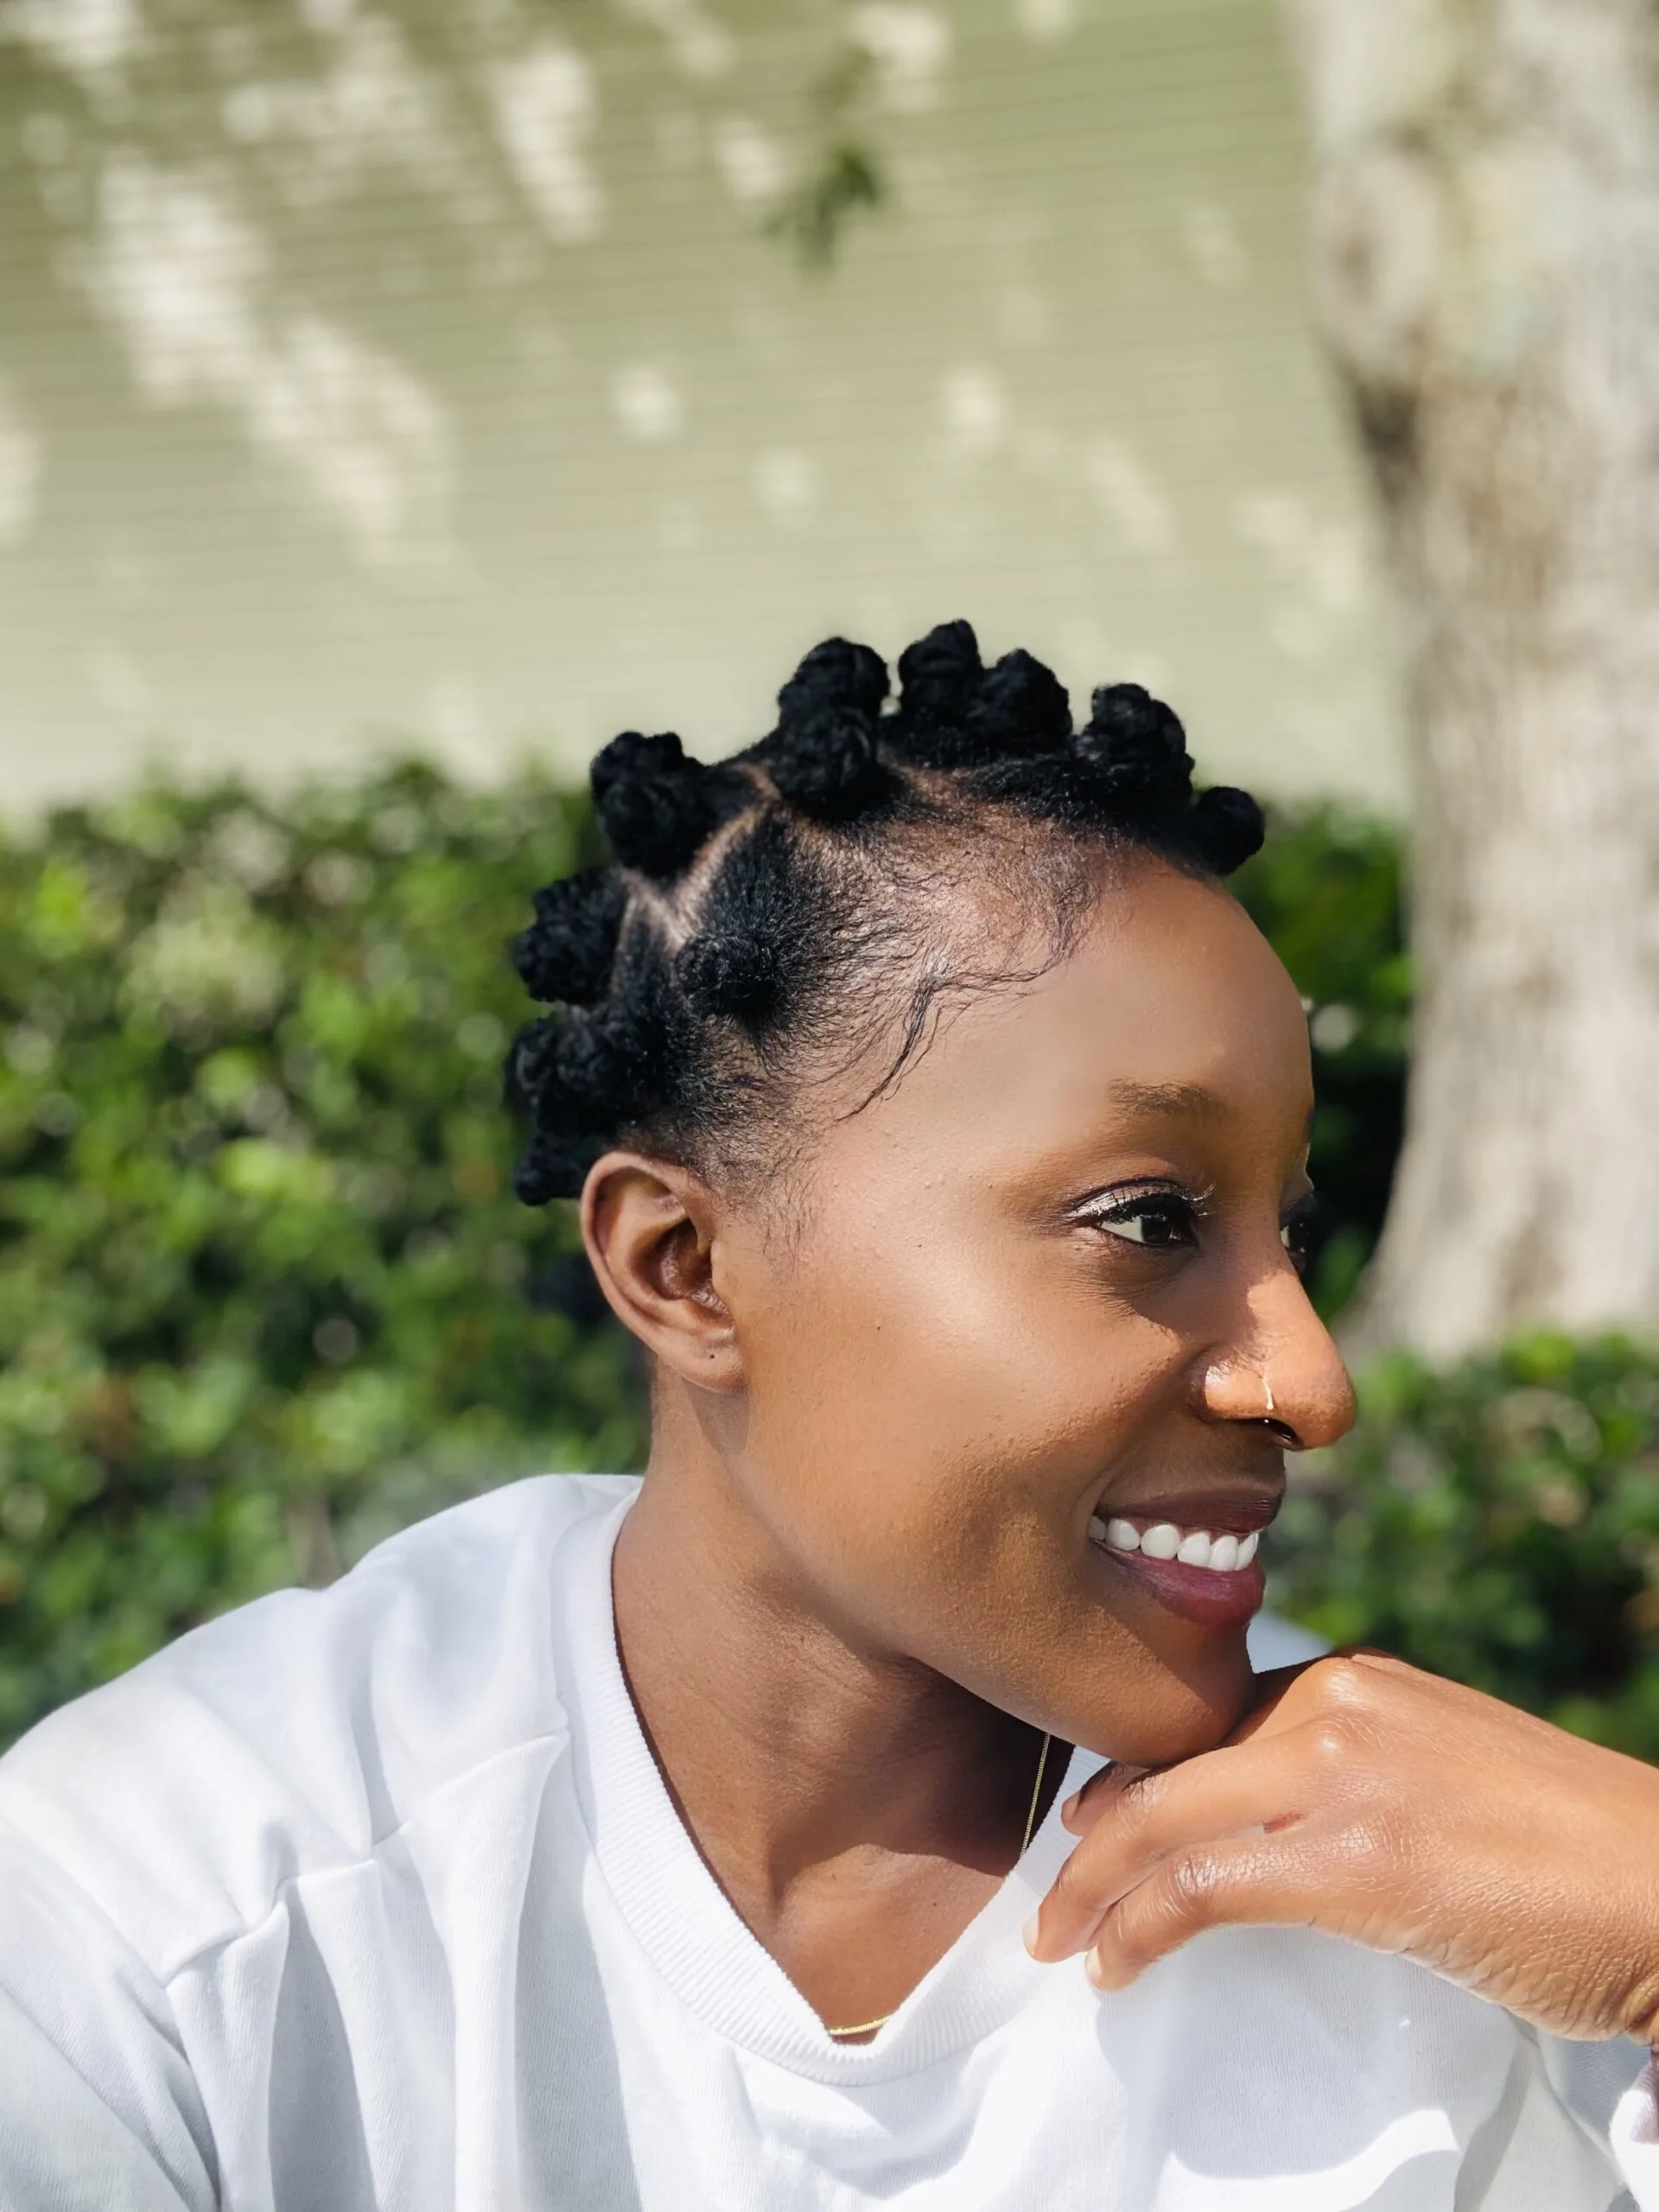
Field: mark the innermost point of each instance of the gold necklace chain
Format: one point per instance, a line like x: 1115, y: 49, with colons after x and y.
x: 869, y: 2027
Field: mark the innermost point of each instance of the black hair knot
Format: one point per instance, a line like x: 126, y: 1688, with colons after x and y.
x: 1224, y: 828
x: 529, y: 1062
x: 585, y: 1080
x: 1140, y: 748
x: 836, y: 673
x: 567, y: 951
x: 743, y: 977
x: 657, y: 806
x: 588, y: 1072
x: 1021, y: 707
x: 597, y: 1074
x: 940, y: 676
x: 827, y: 765
x: 554, y: 1166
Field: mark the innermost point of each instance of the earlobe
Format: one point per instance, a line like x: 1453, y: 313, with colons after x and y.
x: 649, y: 1227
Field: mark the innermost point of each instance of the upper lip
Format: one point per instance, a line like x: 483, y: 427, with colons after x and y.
x: 1234, y: 1509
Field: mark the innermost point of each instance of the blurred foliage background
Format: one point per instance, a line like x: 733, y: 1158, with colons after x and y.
x: 265, y: 1295
x: 1497, y: 1522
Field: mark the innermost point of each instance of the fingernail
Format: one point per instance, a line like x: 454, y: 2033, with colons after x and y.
x: 1028, y: 1934
x: 1091, y: 1969
x: 1070, y: 1808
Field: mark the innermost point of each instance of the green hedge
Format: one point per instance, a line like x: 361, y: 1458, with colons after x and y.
x: 262, y: 1285
x: 265, y: 1294
x: 1498, y: 1523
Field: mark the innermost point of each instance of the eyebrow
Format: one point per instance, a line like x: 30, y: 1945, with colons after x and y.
x: 1190, y: 1099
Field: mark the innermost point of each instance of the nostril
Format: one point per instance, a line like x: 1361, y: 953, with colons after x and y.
x: 1284, y: 1432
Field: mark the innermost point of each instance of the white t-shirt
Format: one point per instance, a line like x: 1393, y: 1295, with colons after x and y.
x: 374, y: 1896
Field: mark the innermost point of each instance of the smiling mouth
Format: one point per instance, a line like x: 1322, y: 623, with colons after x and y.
x: 1203, y: 1567
x: 1224, y: 1553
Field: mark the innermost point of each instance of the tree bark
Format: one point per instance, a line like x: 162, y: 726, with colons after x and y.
x: 1487, y: 255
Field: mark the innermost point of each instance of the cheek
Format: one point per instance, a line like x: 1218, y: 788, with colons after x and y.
x: 933, y: 1375
x: 925, y: 1421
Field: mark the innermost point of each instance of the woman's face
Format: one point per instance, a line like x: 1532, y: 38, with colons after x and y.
x: 1042, y: 1283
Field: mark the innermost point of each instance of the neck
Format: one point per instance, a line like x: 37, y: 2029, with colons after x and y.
x: 791, y: 1743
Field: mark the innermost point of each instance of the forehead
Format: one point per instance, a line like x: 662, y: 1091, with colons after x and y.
x: 1169, y: 1005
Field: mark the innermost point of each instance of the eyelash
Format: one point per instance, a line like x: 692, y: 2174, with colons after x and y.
x: 1191, y: 1208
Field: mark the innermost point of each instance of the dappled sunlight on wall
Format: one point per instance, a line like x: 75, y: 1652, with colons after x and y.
x: 391, y: 368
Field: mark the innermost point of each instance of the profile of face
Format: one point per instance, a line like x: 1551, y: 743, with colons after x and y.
x: 1021, y: 1308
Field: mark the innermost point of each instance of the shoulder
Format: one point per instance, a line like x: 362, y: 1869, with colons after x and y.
x: 295, y: 1734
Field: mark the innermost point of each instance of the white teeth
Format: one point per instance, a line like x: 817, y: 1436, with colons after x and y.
x: 1191, y: 1547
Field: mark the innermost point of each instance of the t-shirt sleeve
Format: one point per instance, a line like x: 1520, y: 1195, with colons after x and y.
x: 1614, y: 2098
x: 99, y: 2109
x: 1554, y: 2124
x: 1635, y: 2137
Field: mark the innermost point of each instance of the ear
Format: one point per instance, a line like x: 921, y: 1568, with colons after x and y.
x: 649, y: 1229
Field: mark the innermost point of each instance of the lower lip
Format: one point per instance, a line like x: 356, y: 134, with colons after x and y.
x: 1197, y: 1593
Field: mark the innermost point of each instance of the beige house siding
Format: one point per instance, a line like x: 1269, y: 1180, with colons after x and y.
x: 424, y: 372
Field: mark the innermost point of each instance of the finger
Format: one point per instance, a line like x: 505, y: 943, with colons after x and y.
x: 1274, y: 1685
x: 1256, y: 1879
x: 1277, y: 1703
x: 1285, y: 1696
x: 1267, y: 1783
x: 1083, y: 1806
x: 1273, y: 1681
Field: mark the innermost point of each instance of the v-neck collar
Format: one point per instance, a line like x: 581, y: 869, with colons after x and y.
x: 685, y: 1924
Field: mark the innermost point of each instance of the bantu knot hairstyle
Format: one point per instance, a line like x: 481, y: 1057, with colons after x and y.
x: 568, y: 949
x: 754, y: 949
x: 773, y: 905
x: 1020, y: 707
x: 824, y: 756
x: 657, y: 807
x: 835, y: 674
x: 941, y: 678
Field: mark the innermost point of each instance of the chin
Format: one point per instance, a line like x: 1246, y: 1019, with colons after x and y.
x: 1172, y: 1716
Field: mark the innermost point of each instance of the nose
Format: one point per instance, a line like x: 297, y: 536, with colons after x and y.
x: 1284, y: 1369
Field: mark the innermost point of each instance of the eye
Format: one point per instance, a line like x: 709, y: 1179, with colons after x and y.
x: 1299, y: 1230
x: 1158, y: 1220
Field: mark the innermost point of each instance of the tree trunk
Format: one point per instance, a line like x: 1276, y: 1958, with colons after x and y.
x: 1486, y: 217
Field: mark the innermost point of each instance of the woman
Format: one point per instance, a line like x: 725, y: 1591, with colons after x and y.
x: 939, y: 1128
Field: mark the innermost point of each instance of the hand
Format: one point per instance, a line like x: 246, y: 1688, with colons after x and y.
x: 1367, y: 1800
